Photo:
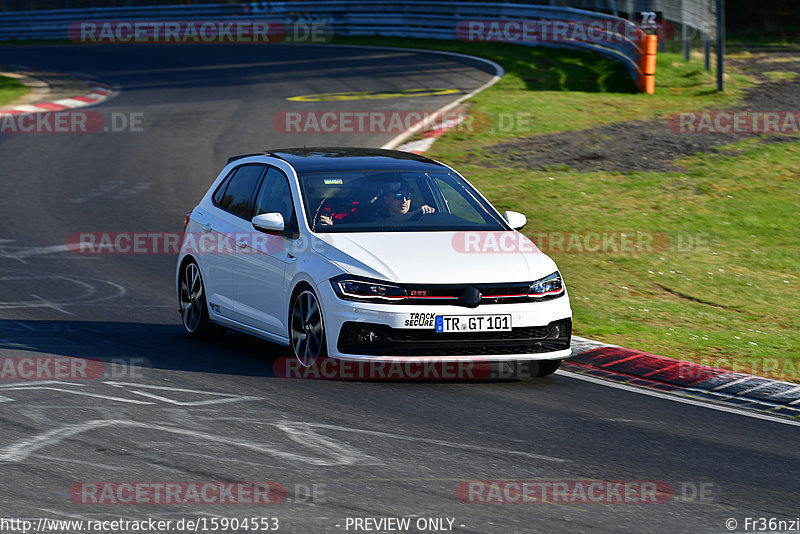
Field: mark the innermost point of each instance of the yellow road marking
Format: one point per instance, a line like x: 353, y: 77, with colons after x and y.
x: 372, y: 95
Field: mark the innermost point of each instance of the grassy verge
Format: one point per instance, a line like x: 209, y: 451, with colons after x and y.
x: 716, y: 280
x: 568, y: 90
x: 719, y: 285
x: 10, y: 90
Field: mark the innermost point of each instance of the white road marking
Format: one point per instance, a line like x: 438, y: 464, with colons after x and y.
x: 55, y: 385
x: 167, y: 388
x: 20, y: 253
x: 39, y: 383
x: 442, y: 443
x: 28, y: 108
x: 302, y: 433
x: 44, y: 303
x: 759, y: 386
x: 420, y: 145
x: 499, y: 72
x: 676, y: 398
x: 192, y: 403
x: 341, y: 455
x: 228, y: 397
x: 90, y: 294
x: 587, y: 341
x: 788, y: 391
x: 71, y: 392
x: 70, y: 102
x: 738, y: 381
x: 81, y: 462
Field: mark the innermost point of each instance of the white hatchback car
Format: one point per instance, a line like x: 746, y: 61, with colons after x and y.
x: 360, y: 253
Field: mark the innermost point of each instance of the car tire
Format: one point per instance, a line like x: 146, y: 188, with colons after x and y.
x: 193, y: 308
x: 306, y: 328
x: 547, y: 367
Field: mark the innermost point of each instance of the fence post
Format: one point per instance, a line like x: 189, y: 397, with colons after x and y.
x: 686, y: 43
x: 720, y: 44
x: 706, y: 52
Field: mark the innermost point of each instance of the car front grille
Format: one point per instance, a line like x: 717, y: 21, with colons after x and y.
x: 383, y: 340
x: 507, y: 293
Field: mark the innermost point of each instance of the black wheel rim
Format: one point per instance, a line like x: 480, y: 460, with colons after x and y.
x: 191, y: 298
x: 307, y: 329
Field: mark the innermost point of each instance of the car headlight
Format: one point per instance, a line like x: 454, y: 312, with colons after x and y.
x: 548, y: 287
x: 363, y: 289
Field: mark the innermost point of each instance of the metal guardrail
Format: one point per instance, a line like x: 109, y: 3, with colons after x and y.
x: 419, y: 19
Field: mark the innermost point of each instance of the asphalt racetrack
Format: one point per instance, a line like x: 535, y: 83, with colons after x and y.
x: 184, y: 411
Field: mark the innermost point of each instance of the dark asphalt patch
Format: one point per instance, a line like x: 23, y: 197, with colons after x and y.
x: 651, y: 145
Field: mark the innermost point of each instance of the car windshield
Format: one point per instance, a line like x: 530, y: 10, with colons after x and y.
x: 394, y: 201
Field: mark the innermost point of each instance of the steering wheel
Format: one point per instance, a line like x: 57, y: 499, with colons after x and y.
x: 417, y: 215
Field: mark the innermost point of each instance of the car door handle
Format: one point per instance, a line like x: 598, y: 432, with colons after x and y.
x: 206, y: 227
x: 291, y: 258
x: 241, y: 243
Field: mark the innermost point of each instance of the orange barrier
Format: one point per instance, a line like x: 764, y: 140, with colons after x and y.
x: 647, y: 64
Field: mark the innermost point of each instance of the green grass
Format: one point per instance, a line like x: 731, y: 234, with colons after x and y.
x: 10, y: 90
x: 569, y: 90
x: 720, y: 285
x: 778, y: 76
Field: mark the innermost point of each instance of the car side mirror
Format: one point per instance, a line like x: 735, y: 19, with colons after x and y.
x: 515, y: 219
x: 268, y: 222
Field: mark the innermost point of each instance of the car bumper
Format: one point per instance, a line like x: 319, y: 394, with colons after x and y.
x: 360, y: 330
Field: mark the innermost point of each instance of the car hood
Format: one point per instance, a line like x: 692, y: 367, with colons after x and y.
x: 437, y: 257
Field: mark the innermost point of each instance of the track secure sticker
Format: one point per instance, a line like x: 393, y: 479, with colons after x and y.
x: 372, y: 95
x: 420, y: 320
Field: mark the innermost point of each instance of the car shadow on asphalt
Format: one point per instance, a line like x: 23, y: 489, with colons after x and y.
x: 159, y: 346
x: 124, y: 350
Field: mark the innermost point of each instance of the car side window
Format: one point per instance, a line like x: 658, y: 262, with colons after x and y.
x: 220, y: 192
x: 276, y: 196
x: 238, y: 195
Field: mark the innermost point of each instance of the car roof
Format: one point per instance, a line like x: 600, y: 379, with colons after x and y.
x: 321, y: 159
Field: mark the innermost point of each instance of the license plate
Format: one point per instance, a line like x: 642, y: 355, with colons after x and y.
x: 473, y: 323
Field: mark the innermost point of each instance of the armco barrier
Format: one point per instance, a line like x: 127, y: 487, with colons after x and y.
x: 623, y: 40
